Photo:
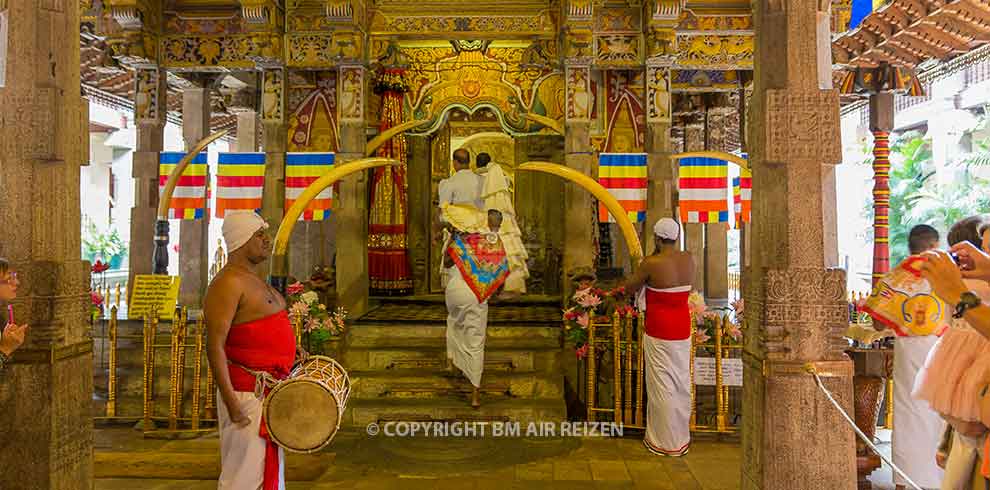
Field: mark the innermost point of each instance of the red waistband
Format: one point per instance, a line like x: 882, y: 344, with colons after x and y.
x: 667, y: 315
x: 267, y: 344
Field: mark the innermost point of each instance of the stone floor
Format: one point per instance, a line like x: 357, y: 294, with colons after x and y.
x: 359, y: 461
x: 127, y: 461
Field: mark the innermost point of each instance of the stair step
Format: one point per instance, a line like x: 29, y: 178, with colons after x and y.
x: 433, y: 358
x: 426, y: 336
x: 360, y: 413
x: 434, y: 384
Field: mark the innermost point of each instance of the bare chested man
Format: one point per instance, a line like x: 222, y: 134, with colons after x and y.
x: 248, y: 334
x: 666, y: 276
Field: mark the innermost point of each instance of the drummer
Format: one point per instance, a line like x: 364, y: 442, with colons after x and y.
x: 250, y: 344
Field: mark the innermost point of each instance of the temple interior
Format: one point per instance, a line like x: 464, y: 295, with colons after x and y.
x: 337, y: 121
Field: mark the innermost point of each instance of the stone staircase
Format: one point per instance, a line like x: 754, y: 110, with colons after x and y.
x: 397, y: 374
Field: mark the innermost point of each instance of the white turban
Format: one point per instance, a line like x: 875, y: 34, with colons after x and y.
x: 239, y: 227
x: 667, y: 229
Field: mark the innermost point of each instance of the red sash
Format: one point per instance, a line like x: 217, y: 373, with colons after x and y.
x: 267, y: 344
x: 667, y: 315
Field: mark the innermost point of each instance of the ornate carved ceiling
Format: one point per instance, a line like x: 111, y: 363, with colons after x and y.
x: 909, y: 32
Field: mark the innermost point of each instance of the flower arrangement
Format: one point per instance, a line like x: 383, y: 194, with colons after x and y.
x: 706, y: 319
x: 589, y: 304
x: 319, y: 324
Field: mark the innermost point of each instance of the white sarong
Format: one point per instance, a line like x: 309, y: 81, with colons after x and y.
x: 917, y: 429
x: 963, y: 458
x: 497, y: 194
x: 668, y: 386
x: 467, y: 321
x: 242, y: 450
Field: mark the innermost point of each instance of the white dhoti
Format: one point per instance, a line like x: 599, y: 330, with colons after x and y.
x: 467, y: 320
x: 668, y: 387
x: 242, y: 450
x: 497, y: 193
x: 917, y: 429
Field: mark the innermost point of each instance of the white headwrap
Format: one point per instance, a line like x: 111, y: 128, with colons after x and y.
x: 240, y: 226
x: 667, y: 229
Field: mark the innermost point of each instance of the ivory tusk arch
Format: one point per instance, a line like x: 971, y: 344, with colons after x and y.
x: 603, y: 196
x: 389, y: 133
x: 278, y: 267
x: 173, y: 178
x: 721, y: 155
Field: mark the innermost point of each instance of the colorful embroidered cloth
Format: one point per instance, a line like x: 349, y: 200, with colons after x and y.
x: 482, y: 261
x: 903, y: 301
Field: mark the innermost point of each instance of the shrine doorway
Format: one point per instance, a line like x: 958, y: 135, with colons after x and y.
x: 538, y: 198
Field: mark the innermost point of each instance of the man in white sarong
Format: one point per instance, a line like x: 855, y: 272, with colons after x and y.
x: 498, y: 194
x: 467, y: 318
x: 664, y: 282
x: 917, y: 428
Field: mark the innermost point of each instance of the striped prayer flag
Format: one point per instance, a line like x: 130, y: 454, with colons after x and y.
x: 301, y: 170
x: 624, y: 175
x: 240, y: 179
x: 742, y: 197
x: 703, y: 190
x: 189, y: 198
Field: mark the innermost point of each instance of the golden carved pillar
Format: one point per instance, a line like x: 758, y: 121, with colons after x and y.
x: 351, y: 210
x: 274, y: 140
x: 662, y: 192
x: 796, y: 308
x: 46, y: 391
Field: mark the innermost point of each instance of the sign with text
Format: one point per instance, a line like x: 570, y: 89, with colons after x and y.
x: 704, y: 371
x: 153, y: 292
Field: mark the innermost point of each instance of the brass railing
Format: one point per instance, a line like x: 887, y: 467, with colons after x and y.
x: 622, y: 340
x: 179, y: 343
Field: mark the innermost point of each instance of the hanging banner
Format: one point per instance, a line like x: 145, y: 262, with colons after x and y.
x: 189, y: 198
x: 625, y: 177
x: 301, y: 170
x: 240, y: 180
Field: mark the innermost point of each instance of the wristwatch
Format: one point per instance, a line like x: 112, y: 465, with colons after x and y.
x: 967, y: 301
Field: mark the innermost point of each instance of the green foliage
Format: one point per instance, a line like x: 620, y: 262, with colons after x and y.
x: 100, y: 245
x: 916, y: 199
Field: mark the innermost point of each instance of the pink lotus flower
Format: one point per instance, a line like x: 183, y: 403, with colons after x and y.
x: 589, y: 301
x: 294, y: 288
x: 583, y: 320
x: 738, y: 306
x: 696, y: 304
x: 581, y: 352
x: 701, y: 336
x: 570, y: 314
x: 734, y: 331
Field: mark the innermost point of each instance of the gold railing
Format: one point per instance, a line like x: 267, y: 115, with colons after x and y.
x: 623, y: 338
x: 625, y: 341
x: 178, y: 345
x: 720, y: 349
x: 735, y: 284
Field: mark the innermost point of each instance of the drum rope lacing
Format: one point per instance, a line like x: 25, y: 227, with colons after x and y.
x: 262, y: 380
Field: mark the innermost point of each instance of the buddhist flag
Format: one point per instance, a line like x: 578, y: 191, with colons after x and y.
x: 860, y: 9
x: 301, y: 170
x: 240, y: 178
x: 742, y: 196
x: 703, y: 190
x: 624, y: 175
x: 189, y: 198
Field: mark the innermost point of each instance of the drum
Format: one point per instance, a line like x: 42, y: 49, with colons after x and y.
x: 303, y: 412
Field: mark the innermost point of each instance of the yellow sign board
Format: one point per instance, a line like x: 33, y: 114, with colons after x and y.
x: 150, y: 292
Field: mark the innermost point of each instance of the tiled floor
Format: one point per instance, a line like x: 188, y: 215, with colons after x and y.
x: 358, y: 461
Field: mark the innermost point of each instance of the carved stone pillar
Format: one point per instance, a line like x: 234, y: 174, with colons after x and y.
x: 247, y: 132
x: 716, y: 238
x: 149, y: 117
x: 274, y: 137
x: 796, y: 309
x: 694, y: 233
x: 661, y: 196
x: 578, y: 203
x: 45, y: 394
x: 194, y: 239
x: 352, y: 216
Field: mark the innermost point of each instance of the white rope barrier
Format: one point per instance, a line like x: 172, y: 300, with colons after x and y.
x: 818, y: 381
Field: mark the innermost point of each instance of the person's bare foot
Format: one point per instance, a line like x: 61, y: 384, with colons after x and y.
x: 475, y: 398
